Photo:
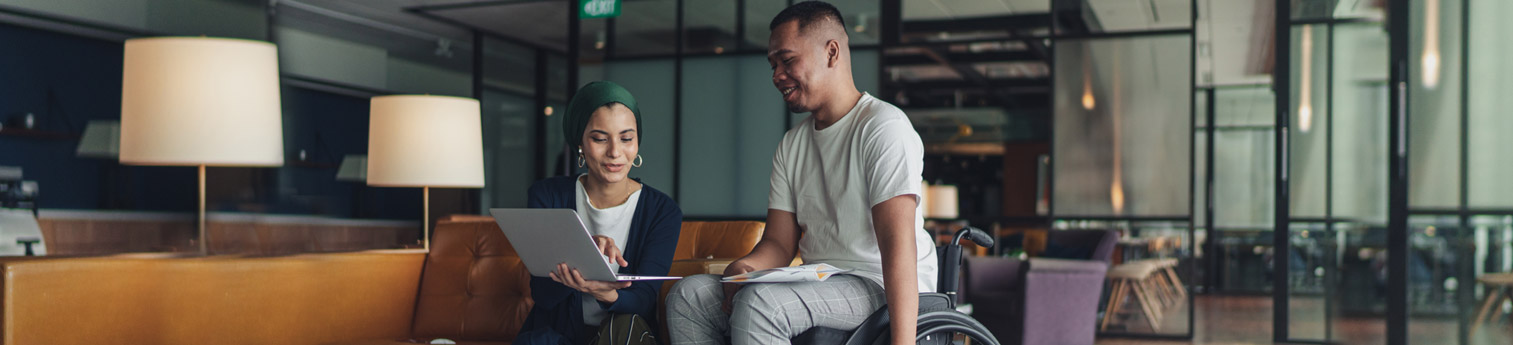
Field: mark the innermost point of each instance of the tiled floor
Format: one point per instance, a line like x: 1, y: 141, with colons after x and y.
x: 1247, y: 320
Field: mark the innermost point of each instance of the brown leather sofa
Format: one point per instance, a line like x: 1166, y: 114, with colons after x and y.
x: 471, y: 288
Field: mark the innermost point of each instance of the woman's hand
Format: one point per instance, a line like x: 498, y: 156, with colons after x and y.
x: 602, y: 291
x: 607, y: 247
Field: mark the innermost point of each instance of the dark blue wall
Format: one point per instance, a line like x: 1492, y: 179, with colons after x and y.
x: 67, y: 80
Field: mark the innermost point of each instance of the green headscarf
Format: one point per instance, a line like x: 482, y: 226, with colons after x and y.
x: 589, y: 99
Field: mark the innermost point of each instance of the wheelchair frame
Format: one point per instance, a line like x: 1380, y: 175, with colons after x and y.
x: 937, y: 316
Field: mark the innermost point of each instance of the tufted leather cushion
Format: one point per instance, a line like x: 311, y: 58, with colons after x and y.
x: 474, y: 286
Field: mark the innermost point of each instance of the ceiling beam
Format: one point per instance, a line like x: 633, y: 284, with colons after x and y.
x: 1011, y: 22
x: 1005, y: 56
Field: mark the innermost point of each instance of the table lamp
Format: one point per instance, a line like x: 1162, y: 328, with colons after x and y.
x: 941, y: 202
x: 425, y: 141
x: 199, y: 101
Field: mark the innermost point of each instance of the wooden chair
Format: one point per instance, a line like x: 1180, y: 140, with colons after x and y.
x: 1499, y: 288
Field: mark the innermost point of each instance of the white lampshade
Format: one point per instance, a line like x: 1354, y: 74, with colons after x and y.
x: 425, y: 141
x: 941, y: 202
x: 201, y: 101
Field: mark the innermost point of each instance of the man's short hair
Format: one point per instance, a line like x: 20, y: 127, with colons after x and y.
x: 808, y: 13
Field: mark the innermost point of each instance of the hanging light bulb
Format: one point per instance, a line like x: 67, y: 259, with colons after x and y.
x: 1305, y: 92
x: 1087, y: 84
x: 1087, y: 97
x: 1116, y: 196
x: 1430, y: 59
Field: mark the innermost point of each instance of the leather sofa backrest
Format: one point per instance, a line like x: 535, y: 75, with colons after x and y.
x: 141, y: 299
x: 719, y: 240
x: 474, y: 286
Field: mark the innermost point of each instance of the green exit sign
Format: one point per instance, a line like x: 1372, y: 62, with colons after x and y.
x: 599, y: 8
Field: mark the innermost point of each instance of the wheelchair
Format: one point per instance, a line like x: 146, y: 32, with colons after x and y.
x: 939, y: 321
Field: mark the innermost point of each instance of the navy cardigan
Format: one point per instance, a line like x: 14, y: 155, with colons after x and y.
x: 557, y: 316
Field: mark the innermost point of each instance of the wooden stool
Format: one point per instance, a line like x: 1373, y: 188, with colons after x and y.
x: 1165, y: 280
x: 1133, y: 277
x: 1499, y: 288
x: 1168, y: 267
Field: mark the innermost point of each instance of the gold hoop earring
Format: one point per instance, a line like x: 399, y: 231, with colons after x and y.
x: 580, y: 158
x: 640, y: 160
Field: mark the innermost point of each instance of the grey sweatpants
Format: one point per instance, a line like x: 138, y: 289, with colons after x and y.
x: 766, y: 313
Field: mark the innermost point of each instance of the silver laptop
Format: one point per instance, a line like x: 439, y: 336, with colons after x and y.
x: 545, y: 237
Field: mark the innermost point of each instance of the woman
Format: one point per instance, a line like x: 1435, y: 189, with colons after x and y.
x: 634, y: 225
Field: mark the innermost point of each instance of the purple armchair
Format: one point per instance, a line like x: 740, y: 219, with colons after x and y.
x: 1051, y: 299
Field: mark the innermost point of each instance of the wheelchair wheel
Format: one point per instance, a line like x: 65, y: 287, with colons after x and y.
x: 952, y: 322
x: 940, y: 327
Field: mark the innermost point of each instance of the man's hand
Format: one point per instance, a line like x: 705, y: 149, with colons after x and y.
x: 602, y: 291
x: 737, y: 267
x: 777, y: 248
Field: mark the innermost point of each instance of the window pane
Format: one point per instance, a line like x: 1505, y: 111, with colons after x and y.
x: 1307, y: 164
x: 507, y: 66
x: 759, y: 16
x: 732, y: 122
x: 861, y: 17
x: 1115, y: 157
x: 1245, y: 107
x: 709, y: 26
x: 1434, y: 130
x: 1245, y: 179
x: 651, y: 81
x: 1200, y: 158
x: 508, y: 147
x: 1359, y: 110
x: 646, y: 28
x: 1489, y: 104
x: 593, y: 39
x: 1436, y: 244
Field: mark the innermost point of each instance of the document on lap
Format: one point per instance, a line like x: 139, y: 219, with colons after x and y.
x: 805, y: 273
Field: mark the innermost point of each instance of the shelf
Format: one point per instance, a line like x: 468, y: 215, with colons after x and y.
x: 37, y: 134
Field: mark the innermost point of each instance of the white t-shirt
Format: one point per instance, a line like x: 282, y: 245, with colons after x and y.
x: 831, y: 178
x: 613, y: 222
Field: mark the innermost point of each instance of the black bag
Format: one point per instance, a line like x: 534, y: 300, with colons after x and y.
x: 624, y: 329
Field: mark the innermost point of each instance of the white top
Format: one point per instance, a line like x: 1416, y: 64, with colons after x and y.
x: 831, y: 178
x: 612, y: 222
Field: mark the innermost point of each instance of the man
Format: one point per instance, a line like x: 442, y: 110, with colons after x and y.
x: 848, y: 179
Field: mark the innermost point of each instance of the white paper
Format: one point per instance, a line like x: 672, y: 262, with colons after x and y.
x: 805, y: 273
